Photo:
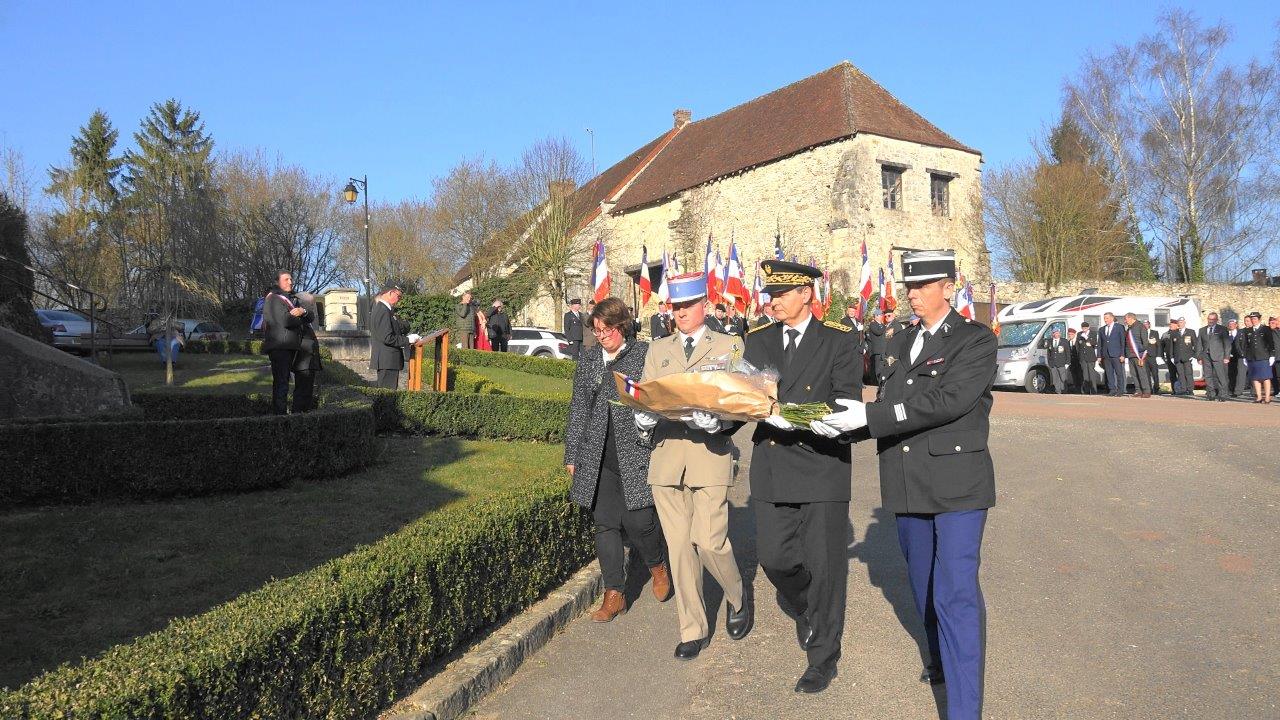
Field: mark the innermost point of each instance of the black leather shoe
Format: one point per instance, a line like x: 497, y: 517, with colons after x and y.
x: 689, y: 650
x: 815, y: 680
x: 737, y: 623
x: 932, y: 675
x: 805, y: 634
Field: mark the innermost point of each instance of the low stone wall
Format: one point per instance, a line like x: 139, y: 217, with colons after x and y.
x: 1229, y: 301
x: 351, y: 345
x: 37, y: 380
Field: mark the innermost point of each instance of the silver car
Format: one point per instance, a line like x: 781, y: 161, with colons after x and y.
x: 70, y: 330
x: 538, y: 342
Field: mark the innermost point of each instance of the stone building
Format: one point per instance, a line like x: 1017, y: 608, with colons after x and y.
x: 824, y: 163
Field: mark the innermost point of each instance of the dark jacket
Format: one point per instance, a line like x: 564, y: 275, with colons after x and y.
x: 591, y: 416
x: 1260, y: 344
x: 1135, y: 341
x: 1184, y: 346
x: 388, y: 338
x: 280, y: 330
x: 1237, y: 343
x: 796, y: 465
x: 931, y: 420
x: 1215, y: 343
x: 1111, y: 344
x: 713, y: 323
x: 464, y: 318
x: 499, y: 326
x: 1059, y: 352
x: 307, y: 359
x: 1086, y: 349
x: 573, y: 327
x: 1153, y: 346
x: 658, y: 327
x: 876, y: 340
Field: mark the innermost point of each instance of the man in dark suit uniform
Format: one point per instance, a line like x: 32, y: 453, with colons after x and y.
x: 573, y: 327
x: 1111, y: 350
x: 282, y: 323
x: 499, y: 328
x: 800, y: 481
x: 389, y: 336
x: 1151, y: 364
x: 875, y: 344
x: 931, y: 423
x: 1215, y: 353
x: 1086, y: 359
x: 1184, y: 349
x: 737, y: 324
x: 1059, y: 361
x: 1135, y: 347
x: 716, y: 321
x: 660, y: 323
x: 1237, y: 374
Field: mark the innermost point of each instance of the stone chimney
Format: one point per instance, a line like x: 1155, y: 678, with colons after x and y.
x: 559, y: 189
x: 683, y: 117
x: 1260, y: 277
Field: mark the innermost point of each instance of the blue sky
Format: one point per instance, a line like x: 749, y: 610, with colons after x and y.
x: 402, y: 90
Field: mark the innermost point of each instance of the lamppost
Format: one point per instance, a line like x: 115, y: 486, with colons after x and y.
x: 350, y: 193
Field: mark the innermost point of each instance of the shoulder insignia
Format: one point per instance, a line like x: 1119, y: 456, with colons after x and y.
x: 836, y: 326
x: 761, y: 327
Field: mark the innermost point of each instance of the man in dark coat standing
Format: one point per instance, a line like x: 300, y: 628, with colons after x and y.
x: 800, y: 480
x: 1135, y: 346
x: 573, y: 328
x: 464, y: 321
x: 1087, y: 359
x: 389, y: 336
x: 931, y: 424
x: 1237, y: 374
x: 1215, y: 354
x: 282, y: 321
x: 660, y: 323
x: 306, y: 362
x: 499, y: 328
x: 1059, y: 361
x: 1111, y: 344
x: 1151, y: 364
x: 1184, y: 349
x: 875, y: 342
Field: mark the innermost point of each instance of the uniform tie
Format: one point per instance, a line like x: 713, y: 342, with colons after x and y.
x: 790, y: 348
x: 688, y: 348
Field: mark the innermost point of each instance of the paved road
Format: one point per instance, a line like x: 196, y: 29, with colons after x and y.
x: 1130, y: 572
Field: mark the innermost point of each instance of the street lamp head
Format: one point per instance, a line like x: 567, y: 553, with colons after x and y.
x: 349, y: 193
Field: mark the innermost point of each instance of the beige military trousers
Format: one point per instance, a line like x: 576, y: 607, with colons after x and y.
x: 695, y: 522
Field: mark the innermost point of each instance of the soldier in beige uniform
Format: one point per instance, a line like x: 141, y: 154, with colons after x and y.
x: 690, y: 472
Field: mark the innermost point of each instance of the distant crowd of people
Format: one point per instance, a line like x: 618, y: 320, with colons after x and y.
x: 478, y: 330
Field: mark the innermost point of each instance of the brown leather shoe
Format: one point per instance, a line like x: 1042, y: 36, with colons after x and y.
x: 613, y: 606
x: 661, y: 582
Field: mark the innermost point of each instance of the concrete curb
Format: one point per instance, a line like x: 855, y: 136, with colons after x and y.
x: 463, y: 682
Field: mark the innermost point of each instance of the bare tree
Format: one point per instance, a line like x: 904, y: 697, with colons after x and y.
x: 1190, y: 139
x: 472, y: 204
x: 552, y: 246
x: 693, y: 224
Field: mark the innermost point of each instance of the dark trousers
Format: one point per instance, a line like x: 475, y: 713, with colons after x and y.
x: 943, y: 552
x: 1215, y: 378
x: 1141, y: 383
x: 281, y: 366
x: 1186, y: 377
x: 1088, y: 379
x: 1153, y: 374
x: 877, y: 367
x: 611, y: 518
x: 1114, y: 367
x: 573, y: 350
x: 304, y: 382
x: 389, y: 379
x: 1237, y: 377
x: 498, y: 344
x: 1059, y: 377
x: 803, y: 548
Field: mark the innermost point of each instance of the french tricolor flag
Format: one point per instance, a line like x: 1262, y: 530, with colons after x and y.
x: 630, y: 386
x: 600, y: 275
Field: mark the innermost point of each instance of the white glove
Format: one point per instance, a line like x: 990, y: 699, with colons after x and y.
x: 646, y: 421
x: 820, y: 428
x: 852, y: 418
x: 414, y: 337
x: 779, y: 422
x: 1271, y: 360
x: 703, y: 420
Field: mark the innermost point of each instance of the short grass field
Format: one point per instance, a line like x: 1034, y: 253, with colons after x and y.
x: 525, y: 382
x: 196, y: 373
x: 79, y: 579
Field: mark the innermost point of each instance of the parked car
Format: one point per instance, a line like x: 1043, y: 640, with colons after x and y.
x: 70, y: 330
x: 538, y: 342
x: 193, y: 330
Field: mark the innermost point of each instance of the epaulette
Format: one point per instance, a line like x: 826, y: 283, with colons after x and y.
x: 761, y: 327
x: 837, y: 326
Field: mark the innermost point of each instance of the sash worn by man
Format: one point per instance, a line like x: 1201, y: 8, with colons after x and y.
x: 931, y: 422
x: 800, y: 480
x: 691, y: 470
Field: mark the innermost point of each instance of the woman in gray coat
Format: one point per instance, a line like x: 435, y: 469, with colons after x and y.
x: 608, y: 461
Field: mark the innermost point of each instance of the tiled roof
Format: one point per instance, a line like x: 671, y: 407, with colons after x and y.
x: 834, y: 104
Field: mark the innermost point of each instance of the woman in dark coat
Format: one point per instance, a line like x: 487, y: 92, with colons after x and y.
x: 608, y: 461
x: 1260, y: 351
x: 306, y: 363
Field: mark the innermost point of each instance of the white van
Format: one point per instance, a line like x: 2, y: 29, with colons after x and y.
x: 1025, y: 328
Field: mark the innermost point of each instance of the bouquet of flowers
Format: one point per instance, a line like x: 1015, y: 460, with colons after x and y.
x: 737, y: 390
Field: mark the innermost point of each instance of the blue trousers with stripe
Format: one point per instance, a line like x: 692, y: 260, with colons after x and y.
x: 943, y: 552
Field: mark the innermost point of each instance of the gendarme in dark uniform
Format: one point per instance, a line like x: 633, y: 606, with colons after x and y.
x: 930, y: 422
x: 800, y: 482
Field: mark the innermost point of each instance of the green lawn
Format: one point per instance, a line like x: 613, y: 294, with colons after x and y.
x: 197, y: 373
x: 525, y: 382
x: 79, y: 579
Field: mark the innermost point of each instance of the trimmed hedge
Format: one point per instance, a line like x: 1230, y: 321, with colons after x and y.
x: 548, y: 367
x: 508, y: 417
x: 76, y: 462
x: 342, y: 640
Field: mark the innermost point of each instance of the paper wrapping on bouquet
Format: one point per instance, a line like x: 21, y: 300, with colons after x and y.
x: 730, y: 395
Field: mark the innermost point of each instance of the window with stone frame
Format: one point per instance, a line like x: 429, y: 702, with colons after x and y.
x: 891, y: 186
x: 940, y: 194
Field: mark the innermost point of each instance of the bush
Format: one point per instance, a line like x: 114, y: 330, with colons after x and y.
x: 158, y: 457
x: 474, y: 415
x: 185, y: 406
x: 342, y: 640
x: 523, y: 363
x: 427, y: 313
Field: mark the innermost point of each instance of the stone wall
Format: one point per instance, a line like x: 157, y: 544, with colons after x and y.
x: 37, y: 380
x: 1229, y: 301
x: 825, y: 201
